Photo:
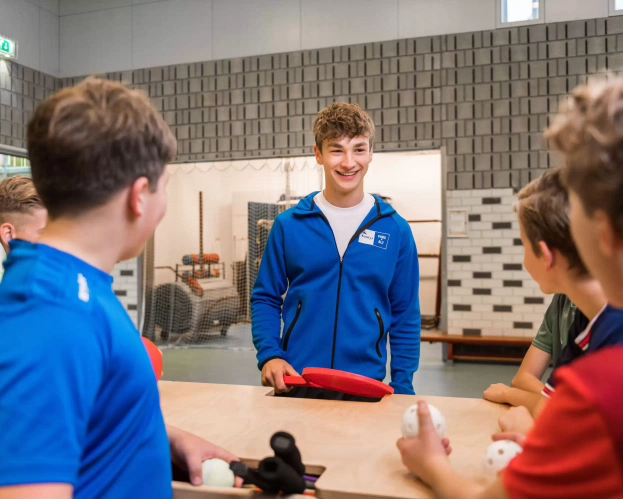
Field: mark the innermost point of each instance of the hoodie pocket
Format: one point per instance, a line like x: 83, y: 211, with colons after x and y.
x: 379, y: 318
x: 291, y: 328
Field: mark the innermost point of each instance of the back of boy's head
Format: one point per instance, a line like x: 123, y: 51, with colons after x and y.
x: 89, y: 142
x: 341, y: 120
x: 17, y: 197
x: 543, y: 210
x: 589, y: 133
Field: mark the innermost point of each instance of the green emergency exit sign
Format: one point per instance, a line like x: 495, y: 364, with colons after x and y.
x: 8, y: 48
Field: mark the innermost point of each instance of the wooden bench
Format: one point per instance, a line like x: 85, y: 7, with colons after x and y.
x: 493, y: 348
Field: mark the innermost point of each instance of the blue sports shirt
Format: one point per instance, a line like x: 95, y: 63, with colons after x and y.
x: 79, y: 402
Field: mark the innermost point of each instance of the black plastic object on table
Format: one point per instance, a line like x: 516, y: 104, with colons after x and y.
x: 282, y: 473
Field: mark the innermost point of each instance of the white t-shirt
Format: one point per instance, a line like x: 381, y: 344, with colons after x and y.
x: 344, y: 222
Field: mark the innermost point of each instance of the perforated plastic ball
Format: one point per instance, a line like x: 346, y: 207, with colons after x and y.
x: 498, y: 455
x: 216, y: 473
x: 411, y: 426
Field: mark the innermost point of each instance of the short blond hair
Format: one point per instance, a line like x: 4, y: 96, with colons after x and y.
x: 342, y: 120
x: 543, y: 211
x: 589, y: 134
x: 18, y: 196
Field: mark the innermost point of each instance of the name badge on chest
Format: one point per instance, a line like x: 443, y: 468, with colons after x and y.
x: 372, y: 238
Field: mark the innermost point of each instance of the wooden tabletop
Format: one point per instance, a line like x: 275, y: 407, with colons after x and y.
x: 353, y: 444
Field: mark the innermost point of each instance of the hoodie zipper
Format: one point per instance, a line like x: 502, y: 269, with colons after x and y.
x: 379, y: 318
x: 291, y: 328
x: 339, y: 285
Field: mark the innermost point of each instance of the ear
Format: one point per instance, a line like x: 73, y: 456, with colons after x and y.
x: 138, y: 196
x: 318, y: 154
x: 607, y: 239
x: 7, y: 233
x: 547, y: 255
x: 371, y: 152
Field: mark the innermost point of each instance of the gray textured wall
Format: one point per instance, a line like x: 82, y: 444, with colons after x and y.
x: 21, y: 90
x: 486, y: 96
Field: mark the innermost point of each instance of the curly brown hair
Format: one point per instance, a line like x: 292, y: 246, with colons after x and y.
x: 342, y: 120
x: 88, y: 142
x: 18, y: 196
x: 543, y: 211
x: 589, y: 134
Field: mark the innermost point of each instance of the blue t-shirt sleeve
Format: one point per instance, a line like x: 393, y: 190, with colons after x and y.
x: 52, y: 368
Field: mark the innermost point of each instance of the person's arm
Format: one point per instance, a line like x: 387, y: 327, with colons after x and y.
x: 266, y: 303
x: 448, y: 484
x: 405, y: 330
x: 43, y: 491
x: 516, y: 420
x: 503, y: 394
x: 539, y: 355
x: 51, y: 374
x: 426, y: 457
x: 531, y: 371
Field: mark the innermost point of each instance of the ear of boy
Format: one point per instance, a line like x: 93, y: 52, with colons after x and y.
x: 547, y: 256
x: 6, y: 235
x: 137, y: 196
x: 607, y: 239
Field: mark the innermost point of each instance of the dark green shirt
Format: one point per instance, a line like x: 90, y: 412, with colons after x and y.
x: 553, y: 333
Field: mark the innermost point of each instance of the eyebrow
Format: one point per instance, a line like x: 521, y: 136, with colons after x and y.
x: 339, y: 146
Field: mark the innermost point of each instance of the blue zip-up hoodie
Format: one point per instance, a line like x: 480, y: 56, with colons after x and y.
x: 339, y: 312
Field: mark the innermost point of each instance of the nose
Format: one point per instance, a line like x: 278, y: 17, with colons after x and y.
x: 349, y: 161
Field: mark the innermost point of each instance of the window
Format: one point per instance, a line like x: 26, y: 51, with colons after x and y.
x: 12, y: 165
x: 616, y: 7
x: 521, y: 11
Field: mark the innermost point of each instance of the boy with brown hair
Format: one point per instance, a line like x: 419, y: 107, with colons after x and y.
x: 22, y: 215
x: 80, y: 408
x: 575, y: 449
x: 349, y: 265
x: 553, y: 261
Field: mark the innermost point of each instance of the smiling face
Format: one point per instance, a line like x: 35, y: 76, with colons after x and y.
x: 344, y: 134
x: 345, y: 163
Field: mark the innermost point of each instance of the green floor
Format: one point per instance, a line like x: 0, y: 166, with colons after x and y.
x: 238, y: 366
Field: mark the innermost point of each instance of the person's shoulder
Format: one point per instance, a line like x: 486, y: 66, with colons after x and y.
x: 44, y: 294
x: 559, y: 303
x: 49, y: 317
x: 605, y: 360
x: 401, y: 223
x: 611, y: 315
x: 403, y: 228
x: 608, y: 327
x: 51, y: 335
x: 598, y: 374
x: 305, y: 206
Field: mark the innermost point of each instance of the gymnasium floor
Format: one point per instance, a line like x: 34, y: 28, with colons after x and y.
x: 231, y: 360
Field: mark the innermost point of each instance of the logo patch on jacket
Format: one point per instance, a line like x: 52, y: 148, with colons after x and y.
x: 372, y: 238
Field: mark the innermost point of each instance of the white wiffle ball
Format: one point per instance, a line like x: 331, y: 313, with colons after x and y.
x: 499, y: 454
x: 216, y: 473
x: 411, y: 425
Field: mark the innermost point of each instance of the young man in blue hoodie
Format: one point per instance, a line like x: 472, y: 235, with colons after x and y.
x: 349, y: 266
